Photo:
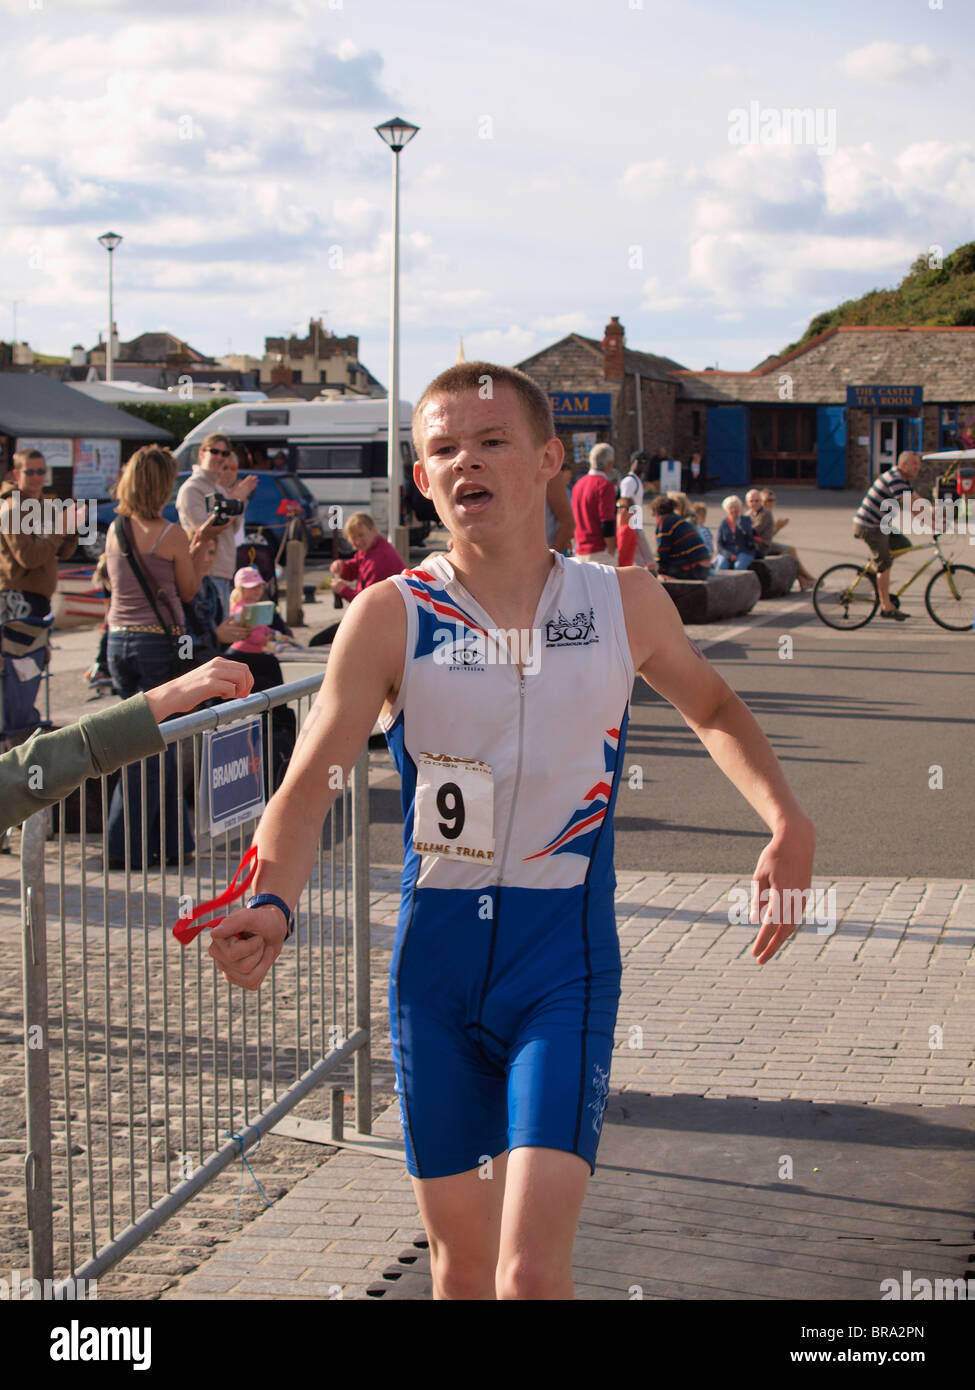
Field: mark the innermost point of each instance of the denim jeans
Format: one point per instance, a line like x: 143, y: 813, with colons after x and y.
x: 742, y: 561
x: 138, y: 661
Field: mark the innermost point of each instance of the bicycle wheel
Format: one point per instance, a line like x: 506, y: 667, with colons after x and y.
x: 844, y: 597
x: 950, y: 597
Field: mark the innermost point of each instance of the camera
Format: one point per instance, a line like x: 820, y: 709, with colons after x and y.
x: 223, y: 508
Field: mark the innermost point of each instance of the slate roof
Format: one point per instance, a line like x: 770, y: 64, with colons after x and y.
x: 31, y: 404
x: 942, y: 360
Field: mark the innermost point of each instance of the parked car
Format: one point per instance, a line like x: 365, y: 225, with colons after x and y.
x: 276, y: 499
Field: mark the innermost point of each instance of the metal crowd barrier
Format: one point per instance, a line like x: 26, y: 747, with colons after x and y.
x: 147, y: 1074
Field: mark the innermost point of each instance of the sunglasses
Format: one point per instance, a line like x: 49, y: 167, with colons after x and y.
x: 220, y: 453
x: 34, y: 472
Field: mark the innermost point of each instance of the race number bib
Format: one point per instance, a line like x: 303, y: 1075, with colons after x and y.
x: 454, y: 809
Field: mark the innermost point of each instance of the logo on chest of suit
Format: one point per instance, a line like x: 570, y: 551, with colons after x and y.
x: 576, y: 631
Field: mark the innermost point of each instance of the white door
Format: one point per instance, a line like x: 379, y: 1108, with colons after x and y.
x: 884, y: 444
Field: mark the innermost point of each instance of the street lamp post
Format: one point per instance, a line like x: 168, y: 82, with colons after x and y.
x: 396, y: 134
x: 109, y: 240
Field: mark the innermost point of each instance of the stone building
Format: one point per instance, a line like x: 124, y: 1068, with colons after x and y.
x: 319, y: 361
x: 834, y: 413
x: 603, y: 391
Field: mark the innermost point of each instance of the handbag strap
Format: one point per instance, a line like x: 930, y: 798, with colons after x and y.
x: 127, y: 550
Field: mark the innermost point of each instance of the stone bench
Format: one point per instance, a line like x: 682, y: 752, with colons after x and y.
x: 724, y: 595
x: 776, y: 574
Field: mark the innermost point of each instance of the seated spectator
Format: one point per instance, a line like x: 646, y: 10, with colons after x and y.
x: 202, y: 613
x: 705, y: 532
x: 764, y: 525
x: 681, y: 554
x: 375, y: 558
x: 736, y: 543
x: 681, y: 505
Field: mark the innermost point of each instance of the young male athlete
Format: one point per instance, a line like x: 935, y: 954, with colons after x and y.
x: 503, y: 675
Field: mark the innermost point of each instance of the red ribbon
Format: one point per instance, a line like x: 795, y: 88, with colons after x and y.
x: 184, y: 931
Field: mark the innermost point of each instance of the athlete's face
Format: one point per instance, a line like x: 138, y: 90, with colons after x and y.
x: 481, y: 464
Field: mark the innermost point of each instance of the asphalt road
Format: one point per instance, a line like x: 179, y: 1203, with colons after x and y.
x: 860, y: 721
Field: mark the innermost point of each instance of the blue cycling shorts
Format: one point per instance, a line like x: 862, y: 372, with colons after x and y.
x: 502, y: 1008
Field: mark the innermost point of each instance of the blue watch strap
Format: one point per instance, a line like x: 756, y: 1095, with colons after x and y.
x: 272, y: 900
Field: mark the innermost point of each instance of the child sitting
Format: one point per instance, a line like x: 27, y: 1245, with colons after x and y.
x: 705, y: 532
x: 250, y: 588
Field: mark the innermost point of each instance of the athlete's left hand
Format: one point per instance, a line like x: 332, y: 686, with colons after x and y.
x: 780, y: 886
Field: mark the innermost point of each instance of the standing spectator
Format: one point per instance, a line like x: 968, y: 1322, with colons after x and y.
x: 230, y: 470
x: 631, y: 538
x: 559, y: 522
x: 653, y: 472
x: 681, y: 554
x: 594, y: 510
x: 736, y: 543
x: 698, y: 480
x: 375, y: 558
x: 191, y: 502
x: 632, y: 487
x: 144, y: 636
x: 28, y: 556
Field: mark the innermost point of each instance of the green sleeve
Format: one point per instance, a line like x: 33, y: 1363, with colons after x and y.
x: 49, y: 766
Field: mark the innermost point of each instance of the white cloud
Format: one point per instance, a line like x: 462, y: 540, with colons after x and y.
x: 884, y: 61
x: 648, y: 180
x: 654, y: 301
x: 502, y: 345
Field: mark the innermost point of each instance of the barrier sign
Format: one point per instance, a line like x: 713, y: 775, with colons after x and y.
x: 232, y: 767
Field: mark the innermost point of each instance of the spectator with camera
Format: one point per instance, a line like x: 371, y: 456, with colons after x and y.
x: 205, y: 494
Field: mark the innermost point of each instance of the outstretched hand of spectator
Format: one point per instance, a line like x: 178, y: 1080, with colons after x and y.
x: 219, y: 679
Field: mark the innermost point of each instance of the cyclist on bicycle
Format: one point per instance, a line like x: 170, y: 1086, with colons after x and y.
x: 872, y: 512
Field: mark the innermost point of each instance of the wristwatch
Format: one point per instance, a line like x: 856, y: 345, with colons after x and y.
x: 272, y: 900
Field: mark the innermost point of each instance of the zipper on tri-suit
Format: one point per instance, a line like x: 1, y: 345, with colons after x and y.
x: 514, y: 794
x: 504, y: 854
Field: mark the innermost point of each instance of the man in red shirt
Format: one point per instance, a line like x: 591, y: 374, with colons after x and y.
x: 594, y: 510
x: 375, y: 558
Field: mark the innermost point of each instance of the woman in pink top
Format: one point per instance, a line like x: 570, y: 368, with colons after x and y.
x: 374, y: 559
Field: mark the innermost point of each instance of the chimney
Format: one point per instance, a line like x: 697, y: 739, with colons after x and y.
x: 613, y: 336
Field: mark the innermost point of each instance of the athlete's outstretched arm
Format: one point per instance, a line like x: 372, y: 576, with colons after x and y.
x: 670, y: 664
x: 364, y: 669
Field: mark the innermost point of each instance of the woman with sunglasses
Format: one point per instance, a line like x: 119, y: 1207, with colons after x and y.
x: 207, y: 481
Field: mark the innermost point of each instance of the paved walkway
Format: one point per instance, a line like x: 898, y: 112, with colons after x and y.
x: 877, y: 1012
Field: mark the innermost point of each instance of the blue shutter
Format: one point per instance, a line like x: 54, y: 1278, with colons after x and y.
x: 912, y: 433
x: 831, y: 446
x: 728, y: 451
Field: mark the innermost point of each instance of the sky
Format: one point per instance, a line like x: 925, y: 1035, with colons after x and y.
x: 575, y: 159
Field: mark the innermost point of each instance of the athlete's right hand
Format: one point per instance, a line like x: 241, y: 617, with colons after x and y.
x: 247, y: 943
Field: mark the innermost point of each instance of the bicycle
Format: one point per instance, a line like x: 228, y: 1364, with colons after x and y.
x: 846, y: 596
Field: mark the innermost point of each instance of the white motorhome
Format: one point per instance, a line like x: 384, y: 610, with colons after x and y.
x: 338, y: 448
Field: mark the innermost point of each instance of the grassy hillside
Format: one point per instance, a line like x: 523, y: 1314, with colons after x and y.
x: 927, y: 296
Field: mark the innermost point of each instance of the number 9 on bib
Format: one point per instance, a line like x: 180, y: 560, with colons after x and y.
x: 453, y: 813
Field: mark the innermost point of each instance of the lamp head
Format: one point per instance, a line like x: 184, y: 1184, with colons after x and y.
x: 110, y: 240
x: 397, y: 133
